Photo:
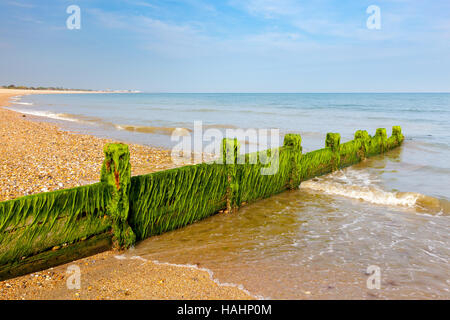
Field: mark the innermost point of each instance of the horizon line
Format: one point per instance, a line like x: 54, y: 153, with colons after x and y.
x: 288, y: 92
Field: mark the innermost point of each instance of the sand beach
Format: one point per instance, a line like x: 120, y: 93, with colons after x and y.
x: 37, y: 157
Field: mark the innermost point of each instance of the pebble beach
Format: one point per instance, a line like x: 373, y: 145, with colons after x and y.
x: 36, y: 157
x: 39, y: 157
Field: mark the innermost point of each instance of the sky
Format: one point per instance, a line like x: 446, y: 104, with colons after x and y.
x: 228, y: 46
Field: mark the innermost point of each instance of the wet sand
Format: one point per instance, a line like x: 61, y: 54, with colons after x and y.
x: 37, y: 157
x: 107, y: 276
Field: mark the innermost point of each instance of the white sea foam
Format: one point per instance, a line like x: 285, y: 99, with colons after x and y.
x: 369, y: 194
x: 24, y: 103
x: 191, y: 266
x: 46, y: 114
x: 358, y: 185
x: 211, y: 276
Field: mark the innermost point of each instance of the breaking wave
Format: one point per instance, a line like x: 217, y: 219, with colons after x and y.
x: 358, y: 185
x: 23, y: 103
x: 46, y: 114
x: 148, y: 129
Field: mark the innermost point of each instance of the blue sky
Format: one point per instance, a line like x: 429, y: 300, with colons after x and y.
x: 228, y: 46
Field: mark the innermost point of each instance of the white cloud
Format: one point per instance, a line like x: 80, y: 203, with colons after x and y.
x: 21, y: 4
x: 164, y: 38
x: 268, y: 8
x: 312, y: 38
x: 141, y: 4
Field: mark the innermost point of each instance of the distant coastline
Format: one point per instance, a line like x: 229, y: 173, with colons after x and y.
x: 59, y: 89
x: 12, y: 86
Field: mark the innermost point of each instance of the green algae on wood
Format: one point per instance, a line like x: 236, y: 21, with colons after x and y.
x: 170, y: 199
x: 294, y: 142
x: 364, y: 139
x: 396, y: 138
x: 116, y: 172
x: 333, y: 141
x: 230, y: 155
x: 142, y: 206
x: 51, y: 258
x: 32, y: 224
x: 253, y: 185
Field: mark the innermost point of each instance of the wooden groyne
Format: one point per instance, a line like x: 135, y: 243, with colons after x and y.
x: 52, y: 228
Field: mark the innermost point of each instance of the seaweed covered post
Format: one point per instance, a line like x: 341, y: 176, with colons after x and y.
x: 333, y: 142
x: 116, y: 171
x: 230, y: 153
x: 381, y: 139
x: 396, y: 138
x: 397, y: 132
x: 294, y: 142
x: 364, y: 138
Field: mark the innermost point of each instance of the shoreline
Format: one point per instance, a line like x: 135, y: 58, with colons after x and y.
x: 63, y: 159
x: 37, y: 157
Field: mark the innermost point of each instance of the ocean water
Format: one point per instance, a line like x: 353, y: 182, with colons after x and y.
x: 391, y: 211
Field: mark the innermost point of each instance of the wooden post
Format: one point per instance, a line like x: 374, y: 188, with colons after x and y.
x: 397, y: 132
x: 333, y: 142
x: 116, y: 171
x: 363, y: 137
x: 230, y: 153
x: 381, y: 139
x: 294, y: 141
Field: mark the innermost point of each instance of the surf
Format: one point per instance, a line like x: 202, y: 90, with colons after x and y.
x: 359, y: 185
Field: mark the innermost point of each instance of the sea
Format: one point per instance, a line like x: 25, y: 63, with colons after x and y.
x: 376, y: 230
